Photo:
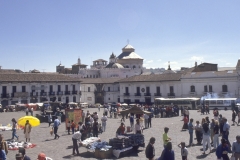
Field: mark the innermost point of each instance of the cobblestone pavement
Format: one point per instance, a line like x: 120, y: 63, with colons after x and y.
x: 62, y: 148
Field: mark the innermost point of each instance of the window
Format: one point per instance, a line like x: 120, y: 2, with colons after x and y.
x: 126, y: 66
x: 134, y: 67
x: 224, y: 88
x: 126, y: 76
x: 138, y: 89
x: 66, y: 87
x: 59, y: 88
x: 126, y: 89
x: 192, y: 88
x: 158, y: 90
x: 73, y: 87
x: 23, y: 88
x: 51, y: 88
x: 59, y: 99
x: 108, y: 98
x: 118, y: 88
x: 171, y: 89
x: 93, y: 76
x: 210, y: 88
x: 205, y: 89
x: 89, y: 89
x: 14, y: 89
x: 96, y: 76
x: 108, y: 89
x: 148, y: 89
x: 90, y: 76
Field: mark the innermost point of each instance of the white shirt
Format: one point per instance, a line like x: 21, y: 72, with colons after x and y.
x: 77, y: 135
x: 137, y: 127
x: 184, y: 151
x: 146, y: 116
x: 104, y: 118
x: 106, y: 110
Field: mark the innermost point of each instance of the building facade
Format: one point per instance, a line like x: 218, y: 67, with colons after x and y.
x: 38, y: 87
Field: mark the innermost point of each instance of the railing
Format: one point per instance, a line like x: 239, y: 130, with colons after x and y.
x: 171, y: 94
x: 6, y: 95
x: 51, y: 93
x: 34, y: 94
x: 137, y: 94
x: 67, y: 92
x: 74, y: 92
x: 60, y: 93
x: 147, y: 94
x: 126, y: 94
x: 43, y: 93
x: 157, y: 94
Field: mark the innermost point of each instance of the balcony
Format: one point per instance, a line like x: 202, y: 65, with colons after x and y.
x: 43, y: 94
x: 147, y: 94
x: 67, y: 92
x: 5, y: 95
x: 126, y: 94
x: 171, y: 95
x: 192, y: 93
x: 51, y: 93
x: 224, y: 92
x: 74, y: 92
x: 34, y: 94
x: 137, y: 94
x: 158, y: 94
x: 59, y: 93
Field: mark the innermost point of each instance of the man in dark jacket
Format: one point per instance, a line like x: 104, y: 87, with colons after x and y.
x: 150, y: 151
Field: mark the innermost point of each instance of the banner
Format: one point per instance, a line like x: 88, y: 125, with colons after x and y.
x: 73, y: 114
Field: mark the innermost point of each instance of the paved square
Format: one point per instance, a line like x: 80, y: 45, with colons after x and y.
x: 61, y: 148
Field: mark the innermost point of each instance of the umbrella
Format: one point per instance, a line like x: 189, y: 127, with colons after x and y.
x: 32, y: 120
x: 124, y: 104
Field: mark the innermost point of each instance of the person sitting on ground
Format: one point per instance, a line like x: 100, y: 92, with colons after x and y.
x: 23, y: 152
x: 121, y: 129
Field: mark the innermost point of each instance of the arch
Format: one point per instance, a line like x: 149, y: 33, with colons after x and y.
x: 134, y: 67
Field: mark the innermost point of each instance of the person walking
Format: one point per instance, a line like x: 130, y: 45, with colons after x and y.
x: 75, y: 138
x: 185, y: 123
x: 184, y: 151
x: 49, y: 119
x: 167, y: 153
x: 190, y: 130
x: 104, y: 122
x: 236, y: 148
x: 27, y: 130
x: 99, y: 108
x: 131, y: 119
x: 138, y: 127
x: 206, y: 137
x: 55, y: 127
x: 223, y: 150
x: 14, y: 129
x: 145, y: 116
x: 216, y: 135
x: 234, y: 118
x: 150, y: 150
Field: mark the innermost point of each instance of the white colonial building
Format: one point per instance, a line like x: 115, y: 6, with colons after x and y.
x: 38, y: 87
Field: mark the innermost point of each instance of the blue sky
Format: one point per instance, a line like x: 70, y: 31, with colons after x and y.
x: 40, y: 34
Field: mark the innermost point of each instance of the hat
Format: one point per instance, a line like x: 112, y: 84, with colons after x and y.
x: 41, y: 156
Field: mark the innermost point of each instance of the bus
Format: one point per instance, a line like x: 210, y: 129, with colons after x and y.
x: 190, y: 103
x: 220, y: 103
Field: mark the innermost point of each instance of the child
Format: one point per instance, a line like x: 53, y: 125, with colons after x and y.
x: 68, y: 127
x: 184, y: 151
x: 73, y: 127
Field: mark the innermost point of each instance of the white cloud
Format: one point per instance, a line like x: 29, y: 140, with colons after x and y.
x: 150, y: 61
x: 159, y: 60
x: 196, y: 58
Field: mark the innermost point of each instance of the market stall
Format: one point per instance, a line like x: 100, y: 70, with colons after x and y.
x: 125, y: 144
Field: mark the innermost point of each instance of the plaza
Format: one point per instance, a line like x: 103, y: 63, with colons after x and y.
x: 62, y: 148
